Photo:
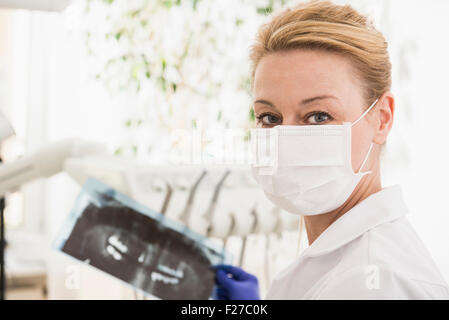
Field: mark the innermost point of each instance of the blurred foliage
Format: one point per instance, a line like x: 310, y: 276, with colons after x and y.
x: 175, y: 63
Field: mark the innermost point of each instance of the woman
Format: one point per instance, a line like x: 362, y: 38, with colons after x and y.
x: 321, y: 86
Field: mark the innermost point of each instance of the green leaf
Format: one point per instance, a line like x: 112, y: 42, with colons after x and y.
x: 118, y: 35
x: 247, y: 136
x: 219, y: 115
x: 145, y: 61
x: 168, y: 4
x: 118, y: 151
x: 163, y: 83
x: 238, y: 22
x: 128, y: 123
x: 174, y: 87
x: 135, y: 71
x: 252, y: 115
x: 194, y: 124
x: 134, y: 13
x: 265, y: 10
x: 109, y: 1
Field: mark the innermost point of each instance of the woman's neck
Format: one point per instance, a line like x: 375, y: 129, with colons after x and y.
x: 316, y: 224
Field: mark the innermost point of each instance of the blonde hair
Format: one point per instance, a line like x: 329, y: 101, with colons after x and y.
x: 322, y: 25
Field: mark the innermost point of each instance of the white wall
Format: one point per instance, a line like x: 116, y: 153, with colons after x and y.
x: 425, y: 180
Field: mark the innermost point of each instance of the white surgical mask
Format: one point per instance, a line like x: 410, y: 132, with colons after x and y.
x: 306, y: 170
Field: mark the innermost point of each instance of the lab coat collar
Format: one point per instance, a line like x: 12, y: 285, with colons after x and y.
x: 381, y: 207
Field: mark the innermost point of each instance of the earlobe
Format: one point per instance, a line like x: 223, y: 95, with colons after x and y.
x: 385, y: 114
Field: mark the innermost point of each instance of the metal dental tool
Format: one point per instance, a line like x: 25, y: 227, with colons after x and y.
x: 168, y: 189
x: 225, y: 240
x: 209, y: 214
x: 245, y: 239
x: 185, y: 215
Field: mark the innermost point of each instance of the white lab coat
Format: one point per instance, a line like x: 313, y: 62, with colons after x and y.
x: 371, y: 252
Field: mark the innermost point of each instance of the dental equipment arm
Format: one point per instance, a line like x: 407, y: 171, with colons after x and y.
x: 42, y: 5
x: 44, y: 162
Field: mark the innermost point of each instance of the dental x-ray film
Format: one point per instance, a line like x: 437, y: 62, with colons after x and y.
x: 156, y: 255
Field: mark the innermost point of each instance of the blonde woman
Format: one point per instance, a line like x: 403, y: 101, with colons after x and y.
x: 322, y: 99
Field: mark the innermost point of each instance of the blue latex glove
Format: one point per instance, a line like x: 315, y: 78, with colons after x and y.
x: 241, y: 285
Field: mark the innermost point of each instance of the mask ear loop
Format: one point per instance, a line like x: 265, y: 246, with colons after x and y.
x: 366, y: 111
x: 371, y: 145
x: 364, y: 160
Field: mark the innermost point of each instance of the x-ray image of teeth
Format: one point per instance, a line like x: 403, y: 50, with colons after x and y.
x: 144, y: 248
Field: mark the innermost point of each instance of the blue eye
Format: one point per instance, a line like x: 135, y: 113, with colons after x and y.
x: 318, y: 117
x: 267, y: 119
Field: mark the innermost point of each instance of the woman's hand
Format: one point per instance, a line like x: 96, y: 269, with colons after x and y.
x: 240, y: 285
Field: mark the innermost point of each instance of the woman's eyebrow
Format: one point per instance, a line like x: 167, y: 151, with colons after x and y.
x: 268, y: 103
x: 304, y: 101
x: 309, y: 100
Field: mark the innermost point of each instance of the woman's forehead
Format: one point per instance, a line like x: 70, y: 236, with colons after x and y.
x: 305, y: 73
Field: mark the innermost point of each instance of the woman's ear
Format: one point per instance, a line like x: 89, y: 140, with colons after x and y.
x: 384, y: 117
